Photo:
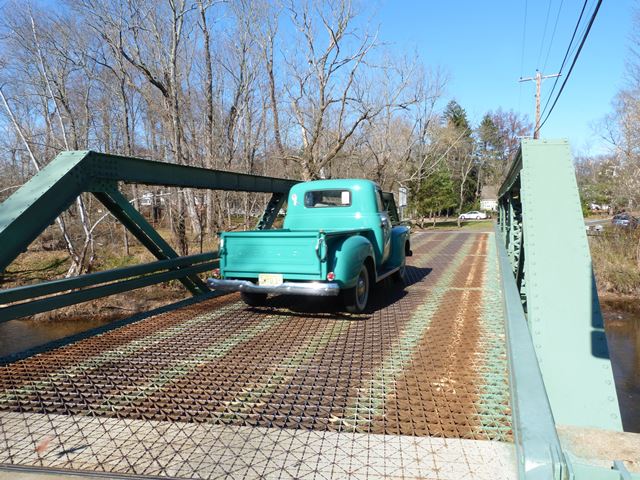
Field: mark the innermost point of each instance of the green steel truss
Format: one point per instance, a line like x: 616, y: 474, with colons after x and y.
x: 558, y: 365
x: 26, y: 213
x: 560, y: 372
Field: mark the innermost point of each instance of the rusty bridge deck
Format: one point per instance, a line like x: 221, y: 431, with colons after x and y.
x: 416, y: 387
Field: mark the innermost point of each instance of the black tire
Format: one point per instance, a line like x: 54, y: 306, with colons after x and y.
x: 355, y: 299
x: 401, y: 275
x: 254, y: 299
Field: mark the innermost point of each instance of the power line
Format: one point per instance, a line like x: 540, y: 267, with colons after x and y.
x: 524, y: 38
x: 544, y: 34
x: 575, y: 59
x: 574, y: 48
x: 553, y: 35
x: 566, y: 55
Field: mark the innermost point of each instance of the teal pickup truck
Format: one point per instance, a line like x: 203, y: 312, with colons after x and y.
x: 339, y: 238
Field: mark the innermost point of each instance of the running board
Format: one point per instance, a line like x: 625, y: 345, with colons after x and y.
x: 384, y: 275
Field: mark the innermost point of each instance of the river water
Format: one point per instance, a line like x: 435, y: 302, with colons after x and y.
x: 19, y: 335
x: 623, y: 335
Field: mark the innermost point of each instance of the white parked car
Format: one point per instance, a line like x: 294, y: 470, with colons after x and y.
x: 474, y: 215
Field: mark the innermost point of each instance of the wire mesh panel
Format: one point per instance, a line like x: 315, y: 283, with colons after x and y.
x: 217, y: 384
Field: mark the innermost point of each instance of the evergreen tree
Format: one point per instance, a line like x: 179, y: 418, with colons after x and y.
x: 435, y: 195
x: 490, y: 147
x: 489, y: 137
x: 456, y: 116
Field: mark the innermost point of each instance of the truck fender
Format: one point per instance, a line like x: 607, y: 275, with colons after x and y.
x: 400, y: 247
x: 349, y: 255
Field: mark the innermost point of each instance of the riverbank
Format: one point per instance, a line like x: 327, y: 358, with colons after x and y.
x: 615, y: 254
x: 620, y: 303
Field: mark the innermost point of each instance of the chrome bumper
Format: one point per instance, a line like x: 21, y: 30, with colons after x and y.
x: 321, y: 289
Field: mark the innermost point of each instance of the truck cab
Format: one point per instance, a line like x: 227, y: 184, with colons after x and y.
x: 338, y: 238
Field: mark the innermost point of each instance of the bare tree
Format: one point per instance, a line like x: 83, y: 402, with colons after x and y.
x: 301, y: 89
x: 149, y: 38
x: 62, y: 98
x: 397, y: 135
x: 328, y: 104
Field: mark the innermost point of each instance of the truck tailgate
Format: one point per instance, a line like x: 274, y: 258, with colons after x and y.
x: 291, y: 253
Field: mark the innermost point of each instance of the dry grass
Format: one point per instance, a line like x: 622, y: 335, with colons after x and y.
x: 478, y: 225
x: 616, y: 261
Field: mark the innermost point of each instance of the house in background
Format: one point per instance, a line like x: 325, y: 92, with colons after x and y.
x: 489, y: 199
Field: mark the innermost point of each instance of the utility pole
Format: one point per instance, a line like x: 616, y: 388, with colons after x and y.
x: 538, y: 78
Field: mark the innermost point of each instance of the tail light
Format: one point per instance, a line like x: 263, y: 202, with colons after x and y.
x: 331, y: 276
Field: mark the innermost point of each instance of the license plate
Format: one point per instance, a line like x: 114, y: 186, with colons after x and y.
x: 270, y: 279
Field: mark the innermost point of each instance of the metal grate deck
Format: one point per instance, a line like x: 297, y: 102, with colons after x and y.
x: 201, y: 381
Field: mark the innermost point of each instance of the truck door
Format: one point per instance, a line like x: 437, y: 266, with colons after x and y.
x: 385, y: 225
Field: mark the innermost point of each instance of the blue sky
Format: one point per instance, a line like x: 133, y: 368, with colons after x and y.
x: 480, y: 44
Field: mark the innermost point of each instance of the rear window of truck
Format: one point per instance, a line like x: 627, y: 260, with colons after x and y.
x: 327, y: 198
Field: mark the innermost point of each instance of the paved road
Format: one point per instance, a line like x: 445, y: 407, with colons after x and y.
x: 598, y: 221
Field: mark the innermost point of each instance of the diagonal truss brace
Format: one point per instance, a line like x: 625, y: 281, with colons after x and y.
x: 135, y: 222
x: 33, y: 207
x: 271, y: 211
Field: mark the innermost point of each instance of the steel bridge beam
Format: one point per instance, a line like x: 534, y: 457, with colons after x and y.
x: 271, y: 211
x: 27, y: 292
x: 79, y: 296
x: 539, y: 453
x: 149, y: 172
x: 543, y: 228
x: 26, y: 213
x: 120, y: 208
x: 33, y: 207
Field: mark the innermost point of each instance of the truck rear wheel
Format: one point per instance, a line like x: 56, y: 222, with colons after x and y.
x: 254, y: 299
x: 356, y: 298
x: 401, y: 275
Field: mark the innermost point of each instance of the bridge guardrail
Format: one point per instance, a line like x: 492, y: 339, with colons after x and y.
x: 29, y: 210
x: 545, y: 253
x: 538, y: 447
x: 542, y: 228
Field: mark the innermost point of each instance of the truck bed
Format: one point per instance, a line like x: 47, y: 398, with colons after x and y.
x: 291, y: 253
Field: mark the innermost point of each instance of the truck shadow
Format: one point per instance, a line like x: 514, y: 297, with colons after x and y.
x: 416, y: 274
x: 381, y: 296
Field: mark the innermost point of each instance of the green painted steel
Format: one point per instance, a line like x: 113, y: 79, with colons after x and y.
x: 26, y: 213
x: 271, y: 211
x: 26, y: 292
x: 63, y: 300
x: 35, y: 205
x: 135, y: 222
x: 149, y: 172
x: 538, y: 447
x: 543, y: 230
